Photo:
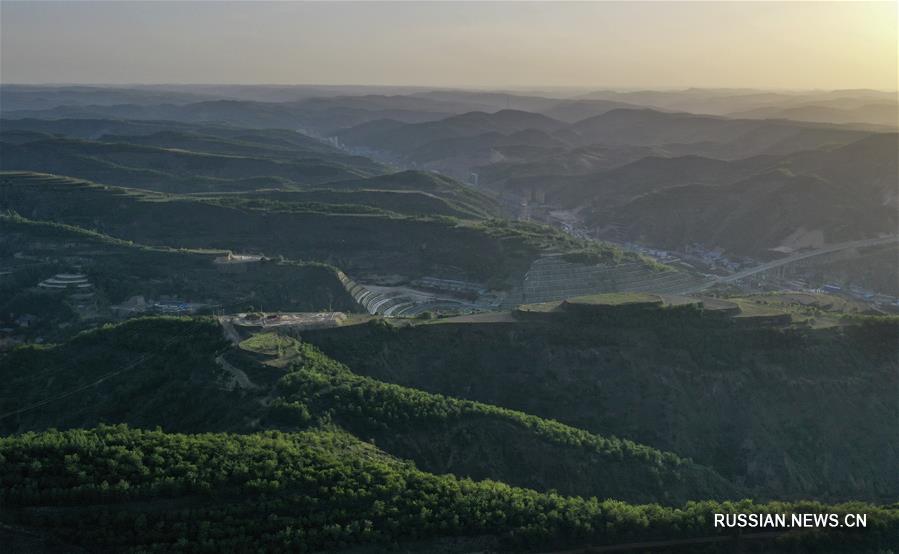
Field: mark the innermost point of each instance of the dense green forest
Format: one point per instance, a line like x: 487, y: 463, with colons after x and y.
x: 444, y: 434
x: 171, y: 372
x: 317, y: 461
x: 758, y: 404
x: 148, y: 491
x: 145, y: 372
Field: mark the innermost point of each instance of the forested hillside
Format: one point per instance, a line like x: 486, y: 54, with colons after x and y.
x: 127, y: 373
x: 325, y: 487
x: 133, y: 490
x: 446, y: 435
x: 119, y: 271
x: 147, y: 372
x: 731, y: 395
x: 363, y: 319
x: 355, y: 238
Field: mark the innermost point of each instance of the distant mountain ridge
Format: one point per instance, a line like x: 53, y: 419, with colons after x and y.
x: 707, y: 135
x: 177, y: 170
x: 776, y: 207
x: 403, y: 138
x: 886, y: 114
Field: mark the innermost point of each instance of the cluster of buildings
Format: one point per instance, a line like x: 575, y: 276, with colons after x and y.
x: 289, y: 321
x: 852, y: 291
x: 168, y: 305
x: 860, y: 293
x: 659, y: 255
x: 237, y: 263
x: 714, y: 258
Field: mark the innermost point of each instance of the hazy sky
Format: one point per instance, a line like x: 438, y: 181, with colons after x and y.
x: 480, y: 44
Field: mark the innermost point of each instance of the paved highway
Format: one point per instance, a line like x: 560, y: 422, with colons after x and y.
x: 796, y: 257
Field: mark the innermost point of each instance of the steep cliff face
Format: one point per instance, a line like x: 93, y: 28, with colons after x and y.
x: 786, y: 413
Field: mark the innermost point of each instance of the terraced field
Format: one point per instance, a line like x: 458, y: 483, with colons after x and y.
x: 552, y: 278
x: 359, y: 239
x: 549, y: 279
x: 402, y: 301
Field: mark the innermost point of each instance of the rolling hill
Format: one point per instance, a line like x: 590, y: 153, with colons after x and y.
x: 716, y: 137
x: 730, y: 101
x: 572, y: 111
x: 615, y: 186
x: 36, y: 97
x: 166, y: 492
x: 754, y: 401
x: 112, y: 369
x: 512, y: 151
x: 681, y: 133
x: 321, y: 115
x: 161, y: 162
x: 166, y: 388
x: 361, y: 240
x: 277, y: 142
x: 481, y: 149
x: 209, y: 159
x: 886, y: 114
x: 401, y: 139
x: 842, y: 194
x: 549, y: 165
x: 754, y: 216
x: 466, y: 198
x: 119, y: 271
x: 305, y: 465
